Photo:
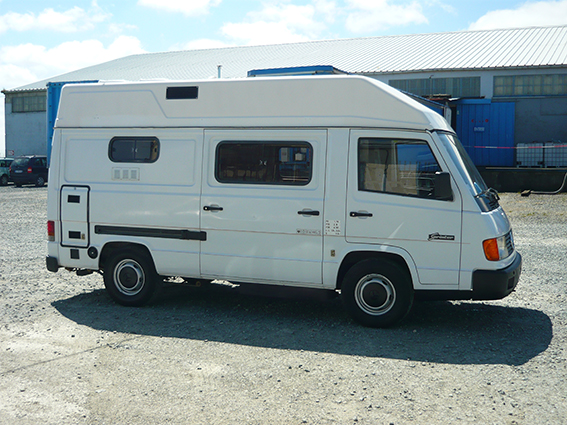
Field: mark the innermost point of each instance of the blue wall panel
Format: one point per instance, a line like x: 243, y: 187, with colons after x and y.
x: 53, y: 98
x: 486, y: 130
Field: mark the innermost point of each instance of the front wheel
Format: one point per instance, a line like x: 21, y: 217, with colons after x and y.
x: 130, y: 277
x: 4, y: 180
x: 40, y: 181
x: 377, y: 293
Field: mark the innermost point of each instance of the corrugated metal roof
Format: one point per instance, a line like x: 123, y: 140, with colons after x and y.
x: 450, y: 51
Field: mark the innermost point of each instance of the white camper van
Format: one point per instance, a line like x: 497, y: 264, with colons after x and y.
x: 340, y: 183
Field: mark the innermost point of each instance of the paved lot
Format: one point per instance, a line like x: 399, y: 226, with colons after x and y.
x: 69, y: 355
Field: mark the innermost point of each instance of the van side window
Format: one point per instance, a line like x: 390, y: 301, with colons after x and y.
x: 133, y: 149
x: 281, y: 163
x: 405, y: 167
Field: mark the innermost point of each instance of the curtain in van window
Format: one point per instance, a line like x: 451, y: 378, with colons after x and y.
x: 279, y: 163
x: 404, y: 167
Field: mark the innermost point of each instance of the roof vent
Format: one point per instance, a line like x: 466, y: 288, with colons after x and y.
x: 191, y: 92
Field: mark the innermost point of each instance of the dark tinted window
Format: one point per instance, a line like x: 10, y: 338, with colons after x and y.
x: 20, y: 162
x: 134, y: 149
x: 282, y: 163
x: 38, y: 162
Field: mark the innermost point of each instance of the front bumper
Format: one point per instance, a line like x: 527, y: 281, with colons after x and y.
x: 496, y: 284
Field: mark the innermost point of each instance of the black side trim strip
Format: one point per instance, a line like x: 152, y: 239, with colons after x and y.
x: 189, y: 235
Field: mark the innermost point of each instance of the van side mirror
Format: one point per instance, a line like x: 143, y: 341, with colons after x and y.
x: 443, y: 191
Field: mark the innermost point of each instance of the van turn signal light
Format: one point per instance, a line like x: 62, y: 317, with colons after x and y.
x: 491, y: 251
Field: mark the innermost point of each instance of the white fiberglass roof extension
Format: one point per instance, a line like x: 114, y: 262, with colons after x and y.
x: 528, y: 48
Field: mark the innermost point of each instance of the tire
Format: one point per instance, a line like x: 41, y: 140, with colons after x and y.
x: 130, y: 277
x: 4, y: 180
x: 377, y: 293
x: 39, y: 182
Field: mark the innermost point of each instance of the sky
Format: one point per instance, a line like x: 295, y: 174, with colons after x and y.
x: 40, y: 39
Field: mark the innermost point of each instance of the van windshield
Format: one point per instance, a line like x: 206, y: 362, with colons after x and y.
x: 464, y: 163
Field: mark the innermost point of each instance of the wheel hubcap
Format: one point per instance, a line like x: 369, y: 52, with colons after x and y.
x: 129, y: 277
x: 375, y: 294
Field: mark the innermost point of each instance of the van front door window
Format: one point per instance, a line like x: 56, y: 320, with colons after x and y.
x: 404, y: 167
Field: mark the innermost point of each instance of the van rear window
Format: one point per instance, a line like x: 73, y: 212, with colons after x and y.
x: 133, y: 149
x: 277, y: 163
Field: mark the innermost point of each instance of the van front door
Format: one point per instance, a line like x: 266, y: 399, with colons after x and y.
x: 262, y: 206
x: 391, y: 202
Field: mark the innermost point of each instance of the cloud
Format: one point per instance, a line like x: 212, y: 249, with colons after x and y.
x: 115, y: 29
x: 370, y: 16
x: 187, y: 7
x: 72, y: 20
x: 539, y: 13
x: 440, y: 4
x: 328, y: 9
x: 26, y: 63
x: 277, y: 23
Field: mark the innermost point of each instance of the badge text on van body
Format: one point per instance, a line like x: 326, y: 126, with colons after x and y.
x: 310, y: 232
x: 438, y: 237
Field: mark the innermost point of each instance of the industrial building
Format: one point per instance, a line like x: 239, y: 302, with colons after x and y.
x: 506, y: 90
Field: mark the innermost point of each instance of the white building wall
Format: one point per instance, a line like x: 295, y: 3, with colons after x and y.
x: 25, y: 133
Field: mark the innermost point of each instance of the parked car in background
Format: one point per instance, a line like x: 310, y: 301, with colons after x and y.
x: 29, y: 170
x: 5, y: 170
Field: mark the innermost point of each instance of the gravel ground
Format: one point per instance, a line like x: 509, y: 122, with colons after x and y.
x: 69, y: 355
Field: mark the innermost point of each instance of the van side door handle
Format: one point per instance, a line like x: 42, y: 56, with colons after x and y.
x: 212, y: 208
x: 308, y: 212
x: 360, y: 214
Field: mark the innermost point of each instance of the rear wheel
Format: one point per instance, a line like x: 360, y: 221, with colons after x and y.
x: 130, y: 277
x: 377, y: 293
x: 4, y: 180
x: 40, y: 181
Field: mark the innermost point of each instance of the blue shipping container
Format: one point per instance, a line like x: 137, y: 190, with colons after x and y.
x: 486, y: 130
x: 53, y: 97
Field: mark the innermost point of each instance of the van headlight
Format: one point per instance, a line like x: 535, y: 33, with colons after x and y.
x: 497, y: 249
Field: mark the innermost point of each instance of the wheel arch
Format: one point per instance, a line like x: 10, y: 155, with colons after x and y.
x: 403, y: 259
x: 110, y: 248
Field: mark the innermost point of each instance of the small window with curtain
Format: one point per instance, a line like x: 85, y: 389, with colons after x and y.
x: 404, y: 167
x: 134, y: 149
x: 275, y: 163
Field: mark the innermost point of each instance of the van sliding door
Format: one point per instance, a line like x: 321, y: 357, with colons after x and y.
x: 262, y: 205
